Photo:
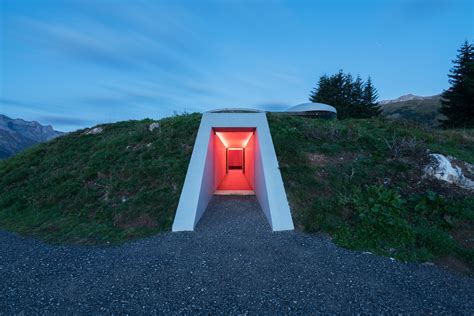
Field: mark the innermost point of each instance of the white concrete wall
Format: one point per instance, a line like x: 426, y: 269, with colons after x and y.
x: 197, y: 186
x: 260, y: 187
x: 207, y: 187
x: 199, y: 183
x: 250, y: 161
x: 269, y: 186
x: 219, y: 160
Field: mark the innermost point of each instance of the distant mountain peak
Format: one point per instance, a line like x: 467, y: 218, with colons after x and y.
x: 408, y: 97
x: 18, y: 134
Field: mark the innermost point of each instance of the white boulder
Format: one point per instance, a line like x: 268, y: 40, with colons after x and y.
x: 94, y: 131
x: 441, y: 168
x: 153, y: 126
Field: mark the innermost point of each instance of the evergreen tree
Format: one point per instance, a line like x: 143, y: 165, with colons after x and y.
x: 369, y: 99
x: 351, y: 98
x: 458, y: 101
x: 356, y: 98
x: 357, y: 91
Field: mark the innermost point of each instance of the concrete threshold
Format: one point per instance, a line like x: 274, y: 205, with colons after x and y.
x: 234, y: 192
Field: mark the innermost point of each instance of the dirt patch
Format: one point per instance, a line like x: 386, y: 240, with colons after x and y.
x: 142, y: 221
x: 321, y: 160
x: 453, y: 264
x: 416, y: 182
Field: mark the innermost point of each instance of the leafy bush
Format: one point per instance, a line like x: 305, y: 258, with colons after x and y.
x: 380, y: 222
x: 433, y: 209
x: 417, y: 229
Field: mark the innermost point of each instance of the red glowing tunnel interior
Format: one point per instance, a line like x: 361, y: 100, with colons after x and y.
x: 234, y: 159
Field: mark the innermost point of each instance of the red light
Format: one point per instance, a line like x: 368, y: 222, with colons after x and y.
x: 234, y: 139
x: 233, y: 162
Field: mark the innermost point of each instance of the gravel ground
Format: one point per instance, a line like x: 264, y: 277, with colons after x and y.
x: 232, y: 263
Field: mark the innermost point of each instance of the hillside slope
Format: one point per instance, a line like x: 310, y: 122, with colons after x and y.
x: 359, y: 180
x: 106, y: 187
x: 362, y: 182
x: 421, y: 110
x: 17, y: 134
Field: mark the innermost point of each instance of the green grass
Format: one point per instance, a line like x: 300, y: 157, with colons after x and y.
x: 123, y: 183
x: 359, y: 181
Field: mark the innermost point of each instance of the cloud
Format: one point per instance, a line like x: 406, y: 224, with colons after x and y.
x: 64, y: 120
x: 20, y: 106
x: 125, y: 97
x: 427, y: 8
x: 93, y: 47
x: 14, y: 102
x: 31, y: 111
x: 144, y: 40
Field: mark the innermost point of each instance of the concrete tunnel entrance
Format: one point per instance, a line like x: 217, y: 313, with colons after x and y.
x: 233, y: 154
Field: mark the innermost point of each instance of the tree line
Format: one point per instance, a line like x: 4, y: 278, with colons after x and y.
x: 351, y: 97
x: 355, y: 98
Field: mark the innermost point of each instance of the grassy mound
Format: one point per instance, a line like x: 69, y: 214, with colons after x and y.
x: 358, y: 180
x: 362, y: 182
x: 108, y: 187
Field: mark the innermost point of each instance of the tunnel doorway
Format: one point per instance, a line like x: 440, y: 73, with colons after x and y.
x: 233, y: 161
x: 233, y: 154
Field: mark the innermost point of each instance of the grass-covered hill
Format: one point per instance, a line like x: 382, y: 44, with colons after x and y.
x: 358, y: 180
x: 120, y: 184
x: 421, y: 111
x: 362, y: 182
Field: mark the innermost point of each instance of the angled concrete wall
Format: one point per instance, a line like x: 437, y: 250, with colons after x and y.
x: 219, y: 160
x: 250, y: 162
x: 200, y: 182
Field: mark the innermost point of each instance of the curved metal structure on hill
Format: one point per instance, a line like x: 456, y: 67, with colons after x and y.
x: 313, y: 110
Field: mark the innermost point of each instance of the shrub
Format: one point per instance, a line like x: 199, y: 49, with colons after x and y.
x: 380, y: 217
x: 404, y: 146
x: 432, y: 209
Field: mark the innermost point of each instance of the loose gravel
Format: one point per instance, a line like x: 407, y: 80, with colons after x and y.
x: 232, y: 263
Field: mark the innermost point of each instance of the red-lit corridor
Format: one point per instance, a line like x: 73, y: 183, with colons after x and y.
x: 234, y: 161
x: 234, y: 180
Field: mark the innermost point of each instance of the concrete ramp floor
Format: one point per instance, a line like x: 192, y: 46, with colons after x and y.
x: 235, y: 215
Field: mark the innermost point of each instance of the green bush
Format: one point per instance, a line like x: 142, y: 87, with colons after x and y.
x: 380, y: 222
x: 433, y: 209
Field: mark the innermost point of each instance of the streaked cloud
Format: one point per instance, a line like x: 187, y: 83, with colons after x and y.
x: 101, y: 61
x: 63, y: 120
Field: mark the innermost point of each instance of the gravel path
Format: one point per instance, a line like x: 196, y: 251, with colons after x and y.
x: 233, y: 264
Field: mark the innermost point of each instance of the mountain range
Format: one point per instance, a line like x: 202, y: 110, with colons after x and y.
x: 18, y: 134
x: 419, y: 109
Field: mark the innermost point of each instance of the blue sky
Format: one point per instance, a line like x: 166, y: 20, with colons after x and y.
x: 79, y: 63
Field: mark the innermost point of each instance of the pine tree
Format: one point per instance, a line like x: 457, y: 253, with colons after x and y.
x: 356, y: 98
x: 458, y: 101
x: 335, y: 91
x: 351, y: 98
x: 370, y: 96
